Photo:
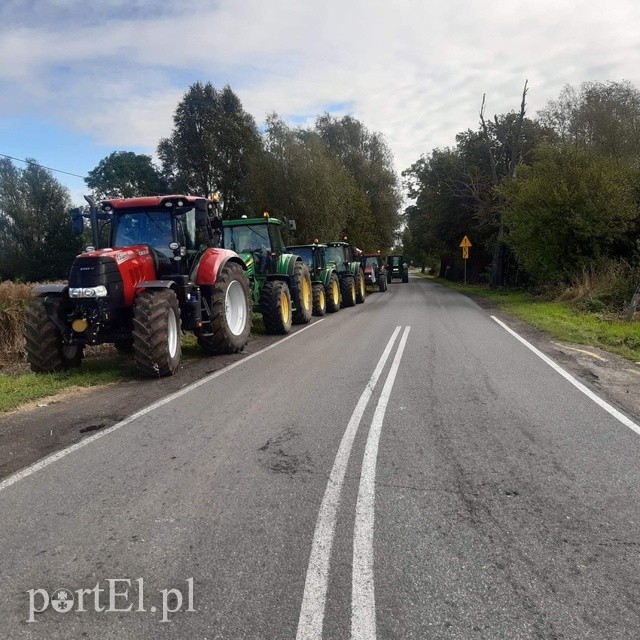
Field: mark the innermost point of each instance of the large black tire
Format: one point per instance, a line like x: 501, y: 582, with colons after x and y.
x: 46, y: 352
x: 229, y: 299
x: 275, y: 303
x: 301, y: 293
x: 382, y: 283
x: 361, y: 287
x: 332, y: 293
x: 405, y: 276
x: 157, y: 345
x: 319, y: 300
x: 348, y: 291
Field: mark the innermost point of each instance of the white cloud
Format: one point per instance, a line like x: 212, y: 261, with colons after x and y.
x: 414, y: 70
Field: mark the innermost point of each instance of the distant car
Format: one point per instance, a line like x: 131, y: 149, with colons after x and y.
x: 375, y: 271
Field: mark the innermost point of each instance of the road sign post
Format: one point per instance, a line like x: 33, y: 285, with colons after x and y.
x: 465, y: 244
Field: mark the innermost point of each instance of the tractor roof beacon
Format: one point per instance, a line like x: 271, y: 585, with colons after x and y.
x: 279, y: 280
x: 155, y: 268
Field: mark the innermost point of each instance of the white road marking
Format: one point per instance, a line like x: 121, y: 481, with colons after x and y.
x: 45, y: 462
x: 627, y: 422
x: 363, y: 606
x: 315, y: 586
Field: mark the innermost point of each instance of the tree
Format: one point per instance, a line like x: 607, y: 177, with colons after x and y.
x: 212, y: 147
x: 368, y: 160
x: 125, y: 174
x: 568, y: 210
x: 36, y: 242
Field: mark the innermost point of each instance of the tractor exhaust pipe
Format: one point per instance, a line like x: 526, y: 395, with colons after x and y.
x: 93, y: 219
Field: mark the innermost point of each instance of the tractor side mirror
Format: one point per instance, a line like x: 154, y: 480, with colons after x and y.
x: 77, y: 224
x: 202, y: 215
x: 292, y: 225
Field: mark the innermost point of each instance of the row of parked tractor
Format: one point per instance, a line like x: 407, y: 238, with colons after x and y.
x: 159, y: 266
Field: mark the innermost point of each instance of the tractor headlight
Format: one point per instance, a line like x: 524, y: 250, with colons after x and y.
x: 88, y: 292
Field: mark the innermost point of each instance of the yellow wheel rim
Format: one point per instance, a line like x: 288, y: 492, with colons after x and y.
x: 322, y: 300
x: 284, y: 307
x: 353, y: 291
x: 362, y: 286
x: 307, y: 296
x: 335, y: 290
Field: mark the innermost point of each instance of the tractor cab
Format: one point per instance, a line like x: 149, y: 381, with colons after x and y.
x: 314, y: 257
x: 375, y: 272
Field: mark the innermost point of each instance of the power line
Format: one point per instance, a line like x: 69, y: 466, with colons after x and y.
x: 75, y: 175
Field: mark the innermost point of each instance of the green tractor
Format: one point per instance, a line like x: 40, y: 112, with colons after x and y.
x: 349, y: 268
x: 280, y: 281
x: 397, y: 268
x: 324, y: 277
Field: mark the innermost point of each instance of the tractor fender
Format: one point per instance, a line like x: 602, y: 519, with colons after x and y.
x: 50, y: 289
x: 326, y: 275
x: 154, y: 284
x: 206, y: 269
x: 286, y: 264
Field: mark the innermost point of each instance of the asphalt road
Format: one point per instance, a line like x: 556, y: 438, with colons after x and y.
x: 404, y: 469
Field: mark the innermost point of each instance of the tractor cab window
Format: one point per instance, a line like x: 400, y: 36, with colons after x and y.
x: 336, y: 255
x: 247, y: 238
x: 186, y: 229
x: 276, y: 238
x: 396, y: 261
x: 371, y: 262
x: 306, y: 253
x: 152, y: 228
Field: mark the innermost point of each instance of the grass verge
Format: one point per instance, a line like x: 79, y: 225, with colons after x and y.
x: 562, y: 321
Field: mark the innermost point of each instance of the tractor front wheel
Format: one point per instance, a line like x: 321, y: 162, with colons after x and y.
x: 332, y: 294
x: 348, y: 291
x: 382, y: 283
x: 46, y: 351
x: 275, y: 303
x: 301, y: 293
x: 229, y: 300
x: 319, y: 300
x: 361, y: 287
x: 157, y: 345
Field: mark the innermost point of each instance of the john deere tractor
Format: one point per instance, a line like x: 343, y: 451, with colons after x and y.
x: 349, y: 270
x: 397, y: 268
x: 279, y: 280
x: 324, y: 277
x: 159, y: 272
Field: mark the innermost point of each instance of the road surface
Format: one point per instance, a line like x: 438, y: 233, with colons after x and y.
x: 404, y: 469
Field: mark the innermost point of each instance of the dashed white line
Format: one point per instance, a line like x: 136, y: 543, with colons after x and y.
x: 627, y: 422
x: 315, y: 589
x: 363, y: 607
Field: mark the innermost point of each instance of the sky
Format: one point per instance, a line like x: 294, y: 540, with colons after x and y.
x: 80, y: 79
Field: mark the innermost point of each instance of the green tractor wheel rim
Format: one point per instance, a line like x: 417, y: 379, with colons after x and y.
x: 235, y: 308
x: 284, y: 307
x: 335, y: 291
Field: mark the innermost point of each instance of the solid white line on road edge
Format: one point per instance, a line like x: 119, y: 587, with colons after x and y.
x: 45, y: 462
x: 578, y: 385
x: 315, y: 586
x: 363, y: 605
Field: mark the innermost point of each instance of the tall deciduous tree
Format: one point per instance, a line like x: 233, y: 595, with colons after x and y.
x: 212, y: 147
x: 36, y: 242
x: 125, y: 174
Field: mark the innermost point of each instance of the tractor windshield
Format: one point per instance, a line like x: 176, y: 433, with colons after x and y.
x: 335, y: 255
x: 152, y: 228
x: 396, y: 261
x: 306, y: 253
x: 371, y: 262
x: 247, y: 238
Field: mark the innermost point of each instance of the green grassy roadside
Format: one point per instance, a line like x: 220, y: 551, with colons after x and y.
x: 562, y: 321
x: 18, y: 388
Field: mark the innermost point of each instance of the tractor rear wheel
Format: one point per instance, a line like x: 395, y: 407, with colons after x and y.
x: 361, y: 287
x: 275, y: 303
x: 348, y: 291
x: 319, y: 300
x: 405, y: 276
x: 332, y: 292
x: 301, y: 293
x: 382, y: 283
x: 46, y: 352
x: 229, y: 299
x: 157, y: 346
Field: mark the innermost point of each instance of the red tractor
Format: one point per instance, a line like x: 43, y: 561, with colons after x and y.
x: 162, y: 273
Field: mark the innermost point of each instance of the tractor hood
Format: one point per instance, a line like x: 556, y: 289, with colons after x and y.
x: 119, y: 255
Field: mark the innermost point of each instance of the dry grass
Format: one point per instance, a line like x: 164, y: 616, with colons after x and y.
x: 14, y: 300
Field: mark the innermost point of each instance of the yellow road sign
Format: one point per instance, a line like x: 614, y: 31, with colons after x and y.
x: 466, y: 243
x: 465, y: 253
